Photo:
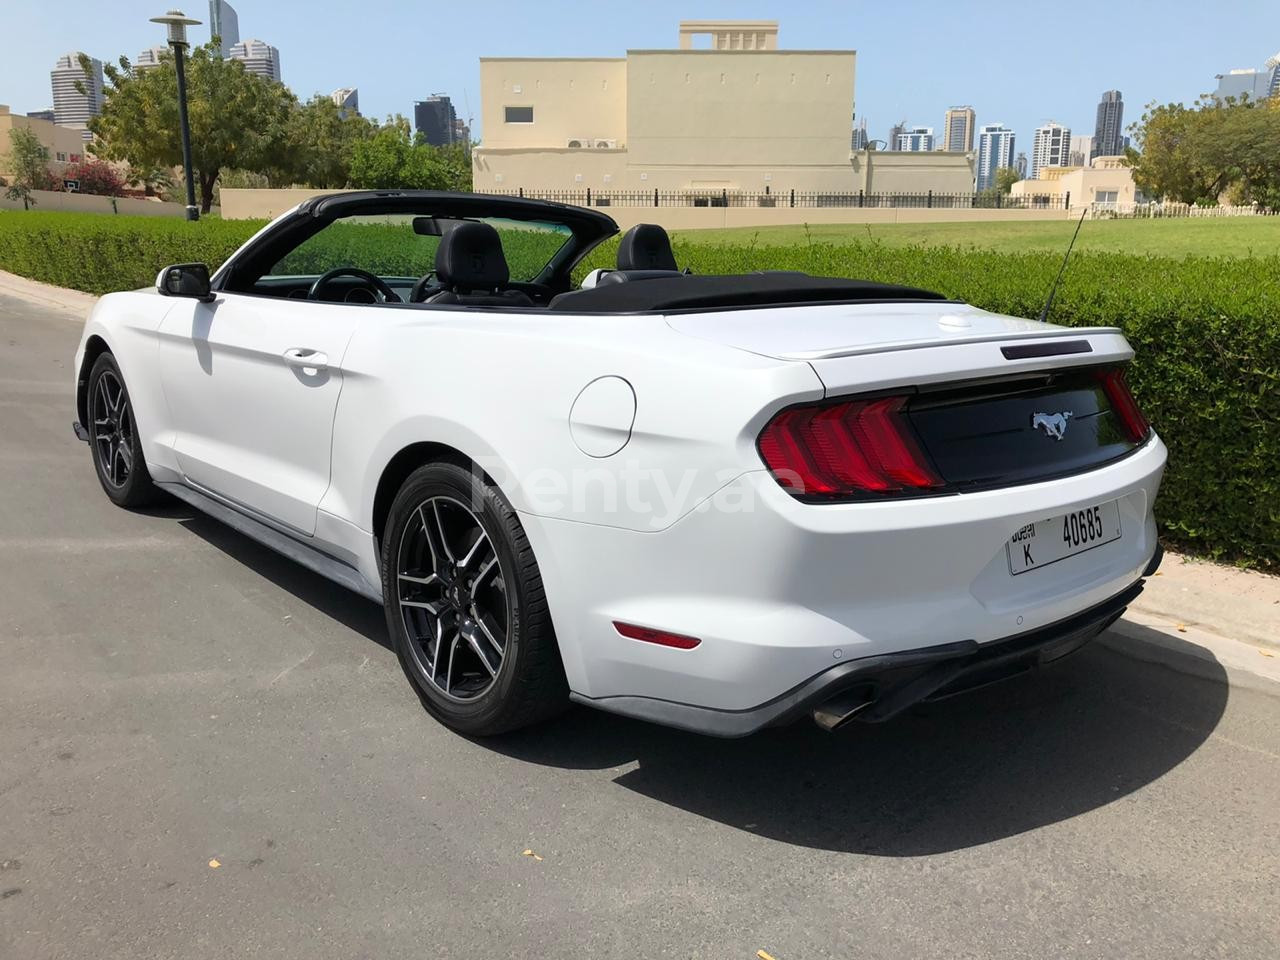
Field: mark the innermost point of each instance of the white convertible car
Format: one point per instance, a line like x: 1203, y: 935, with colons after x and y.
x: 714, y: 502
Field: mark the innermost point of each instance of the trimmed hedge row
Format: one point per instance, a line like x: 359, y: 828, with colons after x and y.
x: 1206, y: 332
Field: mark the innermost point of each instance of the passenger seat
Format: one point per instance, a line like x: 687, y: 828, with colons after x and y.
x: 472, y: 268
x: 644, y: 252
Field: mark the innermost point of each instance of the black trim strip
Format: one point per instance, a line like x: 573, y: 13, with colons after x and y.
x: 1050, y: 348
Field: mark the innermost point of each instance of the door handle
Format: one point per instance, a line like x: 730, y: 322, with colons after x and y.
x: 306, y: 359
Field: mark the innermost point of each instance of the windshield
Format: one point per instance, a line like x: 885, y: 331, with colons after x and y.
x: 404, y: 245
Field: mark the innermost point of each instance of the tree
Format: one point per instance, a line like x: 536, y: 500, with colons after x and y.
x: 96, y: 177
x: 238, y: 119
x: 1197, y: 154
x: 29, y: 160
x: 1006, y: 177
x: 391, y: 159
x: 320, y: 143
x: 155, y: 179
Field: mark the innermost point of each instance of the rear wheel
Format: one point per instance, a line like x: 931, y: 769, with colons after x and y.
x: 465, y: 604
x: 113, y: 438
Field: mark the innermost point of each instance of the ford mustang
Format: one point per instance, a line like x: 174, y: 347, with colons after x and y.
x: 714, y: 502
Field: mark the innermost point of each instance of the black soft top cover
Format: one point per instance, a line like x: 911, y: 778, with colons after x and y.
x: 690, y: 293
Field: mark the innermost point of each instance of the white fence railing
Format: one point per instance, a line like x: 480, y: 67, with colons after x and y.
x: 1139, y: 211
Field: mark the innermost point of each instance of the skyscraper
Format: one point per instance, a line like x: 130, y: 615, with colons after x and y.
x: 347, y: 100
x: 894, y: 133
x: 1050, y: 148
x: 1020, y: 165
x: 859, y: 139
x: 260, y: 58
x: 434, y: 118
x: 957, y: 129
x: 995, y: 150
x: 1081, y: 151
x: 224, y: 24
x: 149, y: 58
x: 1108, y: 133
x: 915, y: 140
x: 71, y: 108
x: 1254, y: 84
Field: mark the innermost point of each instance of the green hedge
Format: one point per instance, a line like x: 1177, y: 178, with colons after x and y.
x: 1206, y: 332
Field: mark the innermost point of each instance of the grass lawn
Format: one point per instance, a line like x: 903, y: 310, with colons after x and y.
x: 1218, y: 236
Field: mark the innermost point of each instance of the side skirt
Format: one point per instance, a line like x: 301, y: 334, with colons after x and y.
x: 304, y: 554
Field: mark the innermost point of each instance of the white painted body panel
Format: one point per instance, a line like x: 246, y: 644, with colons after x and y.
x: 682, y: 528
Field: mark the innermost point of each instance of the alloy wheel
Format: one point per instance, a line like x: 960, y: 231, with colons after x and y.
x: 112, y: 421
x: 453, y: 599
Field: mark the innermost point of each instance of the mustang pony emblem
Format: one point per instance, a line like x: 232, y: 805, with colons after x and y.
x: 1053, y: 424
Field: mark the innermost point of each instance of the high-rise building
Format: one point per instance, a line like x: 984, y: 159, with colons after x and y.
x: 995, y: 150
x: 957, y: 130
x: 434, y: 118
x: 149, y: 58
x: 1020, y: 165
x: 347, y: 100
x: 897, y: 130
x: 71, y: 108
x: 225, y: 25
x: 859, y: 139
x: 461, y: 132
x: 1051, y: 147
x: 1108, y: 132
x: 1081, y: 151
x: 915, y: 140
x: 260, y: 58
x: 1252, y: 83
x: 45, y: 114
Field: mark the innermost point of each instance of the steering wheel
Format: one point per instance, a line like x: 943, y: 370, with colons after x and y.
x: 377, y: 283
x: 419, y: 291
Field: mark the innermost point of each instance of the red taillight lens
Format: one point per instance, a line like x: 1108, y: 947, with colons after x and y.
x: 1123, y: 405
x: 846, y: 449
x: 661, y: 637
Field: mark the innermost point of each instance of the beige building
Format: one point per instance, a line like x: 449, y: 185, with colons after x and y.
x: 1106, y: 180
x: 738, y: 116
x: 65, y: 144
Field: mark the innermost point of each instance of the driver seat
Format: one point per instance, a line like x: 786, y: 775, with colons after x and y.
x: 472, y: 268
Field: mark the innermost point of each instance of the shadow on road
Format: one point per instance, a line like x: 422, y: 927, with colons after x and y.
x: 981, y: 767
x: 978, y: 768
x: 352, y: 611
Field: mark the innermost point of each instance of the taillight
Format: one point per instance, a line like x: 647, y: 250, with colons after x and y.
x: 1123, y: 405
x: 846, y: 450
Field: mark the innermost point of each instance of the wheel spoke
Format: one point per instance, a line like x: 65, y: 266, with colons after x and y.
x: 431, y: 542
x: 444, y: 543
x: 434, y: 607
x: 421, y: 581
x: 453, y: 648
x: 484, y: 572
x: 474, y: 644
x: 473, y: 552
x: 488, y: 635
x: 114, y: 460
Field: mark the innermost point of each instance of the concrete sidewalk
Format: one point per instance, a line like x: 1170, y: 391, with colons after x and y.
x: 1233, y: 614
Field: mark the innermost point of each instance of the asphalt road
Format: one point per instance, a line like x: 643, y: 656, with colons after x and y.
x: 172, y: 695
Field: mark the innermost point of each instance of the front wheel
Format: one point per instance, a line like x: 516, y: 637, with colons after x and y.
x: 465, y: 604
x: 113, y: 438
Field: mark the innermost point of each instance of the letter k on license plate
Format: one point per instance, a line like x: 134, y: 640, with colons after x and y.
x: 1048, y: 541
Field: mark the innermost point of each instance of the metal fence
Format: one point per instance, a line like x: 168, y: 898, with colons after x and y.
x: 1155, y: 211
x: 795, y: 198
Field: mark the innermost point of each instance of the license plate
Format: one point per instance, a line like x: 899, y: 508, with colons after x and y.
x: 1048, y: 541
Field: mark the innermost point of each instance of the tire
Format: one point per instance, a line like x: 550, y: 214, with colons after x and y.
x: 465, y: 605
x: 113, y: 438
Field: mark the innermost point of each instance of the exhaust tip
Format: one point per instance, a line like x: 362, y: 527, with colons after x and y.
x: 833, y: 714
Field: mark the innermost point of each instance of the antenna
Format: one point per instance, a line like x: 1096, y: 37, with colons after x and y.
x: 1063, y: 269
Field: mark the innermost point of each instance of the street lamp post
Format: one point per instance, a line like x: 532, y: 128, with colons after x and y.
x: 177, y: 22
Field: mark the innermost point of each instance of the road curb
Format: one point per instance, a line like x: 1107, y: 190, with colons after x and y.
x: 73, y: 303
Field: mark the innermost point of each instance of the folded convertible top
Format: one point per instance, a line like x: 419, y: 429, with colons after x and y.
x: 668, y: 294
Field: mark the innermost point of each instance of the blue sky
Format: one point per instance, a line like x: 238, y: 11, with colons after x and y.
x: 1014, y: 63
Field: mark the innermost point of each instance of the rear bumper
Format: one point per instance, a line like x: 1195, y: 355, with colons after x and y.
x: 874, y: 689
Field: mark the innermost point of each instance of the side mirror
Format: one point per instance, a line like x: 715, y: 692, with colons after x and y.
x: 185, y: 280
